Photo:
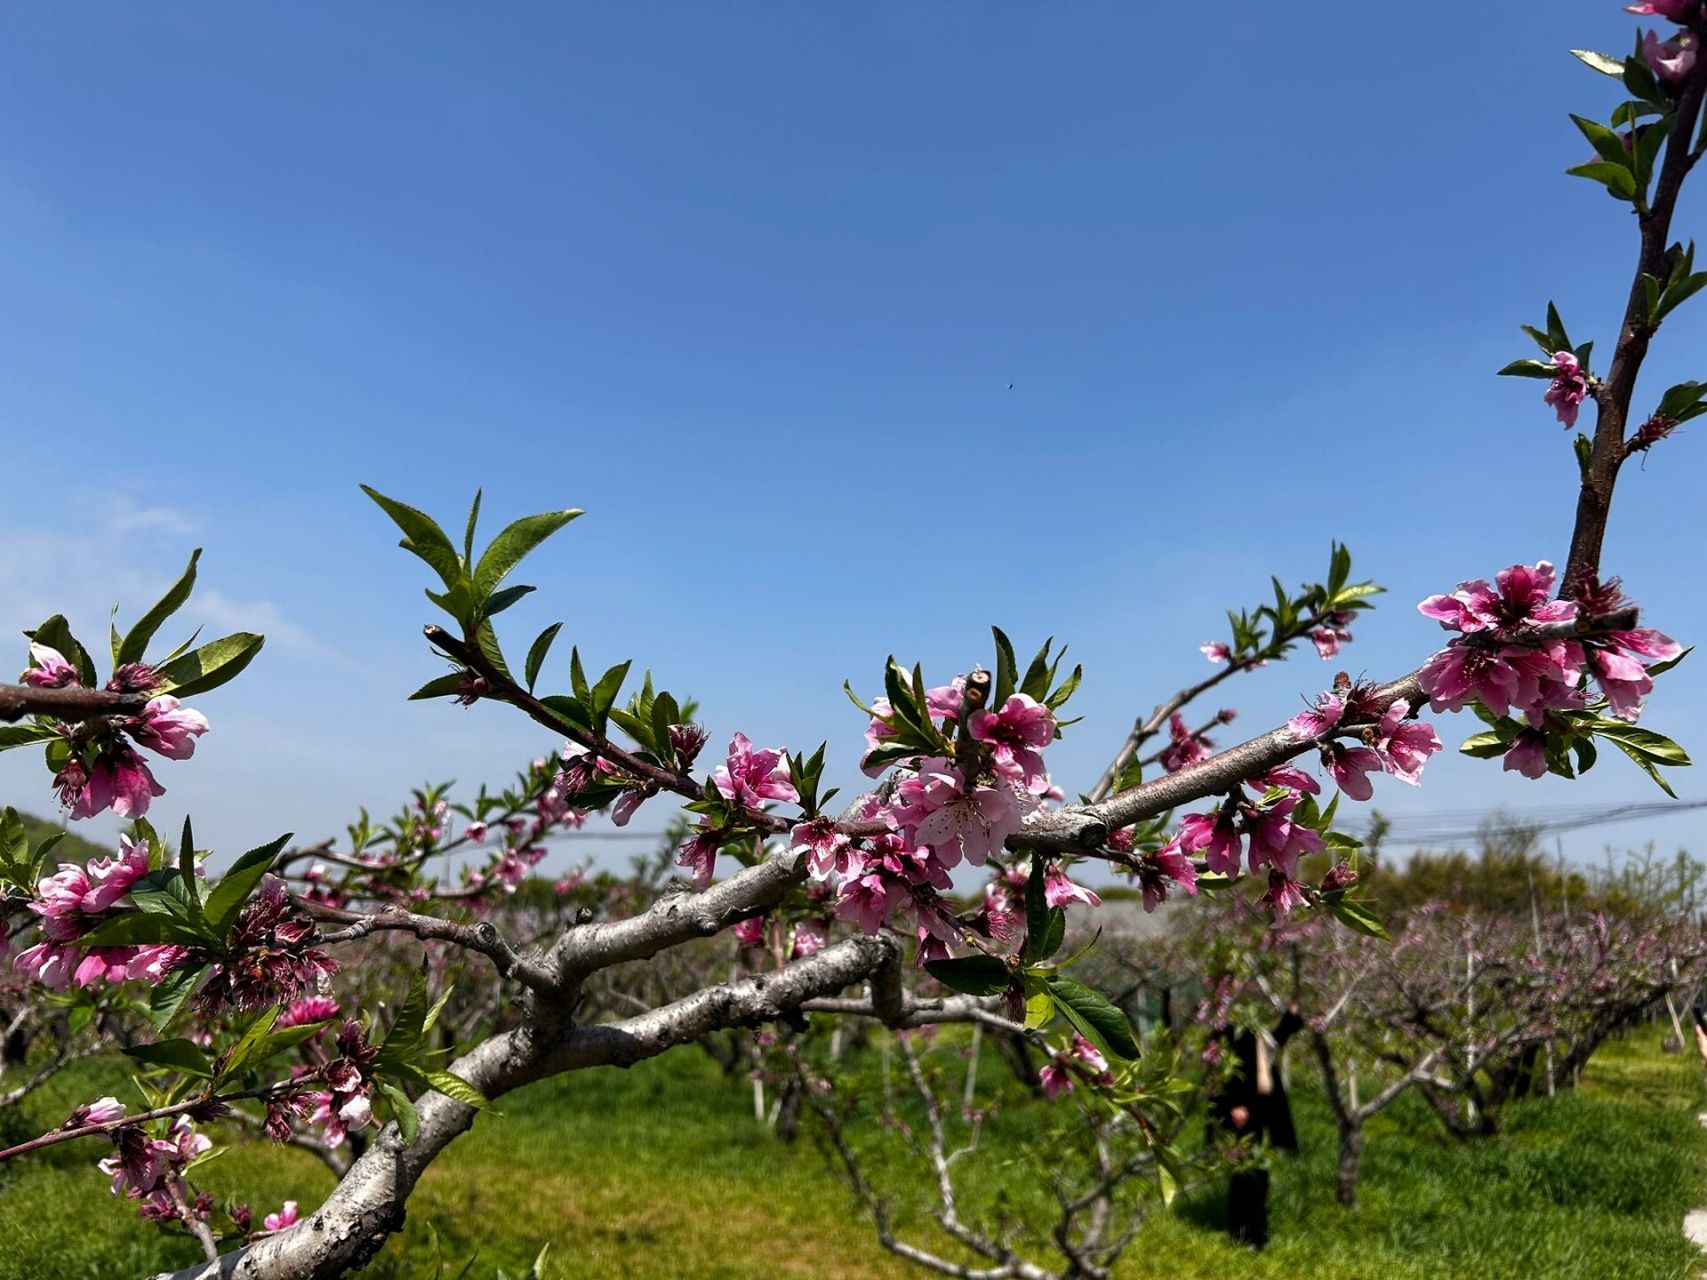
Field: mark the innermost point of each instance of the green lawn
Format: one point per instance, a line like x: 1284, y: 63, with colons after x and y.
x: 661, y: 1171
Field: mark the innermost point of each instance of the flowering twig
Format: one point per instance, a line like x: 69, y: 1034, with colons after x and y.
x: 1613, y: 395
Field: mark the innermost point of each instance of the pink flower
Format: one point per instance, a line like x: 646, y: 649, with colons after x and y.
x: 866, y: 901
x: 751, y: 931
x: 49, y: 963
x: 1017, y: 734
x: 101, y: 1111
x: 119, y: 781
x: 49, y: 669
x: 1058, y: 890
x: 1672, y: 60
x: 1335, y: 631
x: 1675, y: 10
x: 826, y: 848
x: 1498, y: 663
x: 168, y: 728
x: 1614, y: 661
x: 1187, y: 748
x: 749, y: 777
x: 1404, y: 745
x: 700, y: 856
x: 1165, y: 865
x: 1284, y: 775
x: 1528, y: 754
x: 476, y: 831
x: 1319, y: 719
x: 1055, y: 1079
x: 1284, y: 894
x: 285, y: 1217
x: 1089, y: 1054
x: 302, y: 1013
x: 810, y: 936
x: 1215, y: 651
x: 624, y: 808
x: 1568, y: 388
x: 1216, y: 836
x: 1277, y: 841
x: 111, y: 878
x: 1351, y: 767
x: 937, y: 809
x: 98, y: 963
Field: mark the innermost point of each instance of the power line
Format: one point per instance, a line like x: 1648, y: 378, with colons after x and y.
x: 1438, y: 826
x: 1452, y: 826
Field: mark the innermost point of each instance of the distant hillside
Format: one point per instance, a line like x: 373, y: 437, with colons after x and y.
x: 74, y: 848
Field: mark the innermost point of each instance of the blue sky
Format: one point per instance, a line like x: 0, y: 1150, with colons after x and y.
x: 854, y: 328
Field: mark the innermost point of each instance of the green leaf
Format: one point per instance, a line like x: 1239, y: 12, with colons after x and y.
x: 187, y: 870
x: 1094, y: 1017
x: 1649, y: 139
x: 457, y: 1089
x: 1605, y: 142
x: 1660, y: 668
x: 406, y: 1030
x: 144, y: 928
x: 135, y: 643
x: 233, y: 890
x: 1619, y: 182
x: 1603, y: 63
x: 1647, y: 767
x: 468, y: 533
x: 1656, y: 746
x: 180, y: 1054
x: 486, y: 640
x: 569, y: 712
x: 1068, y: 687
x: 247, y: 1051
x: 1007, y: 669
x: 1529, y: 369
x: 422, y: 537
x: 506, y: 551
x: 24, y: 735
x: 606, y: 690
x: 14, y: 843
x: 1035, y: 685
x: 1357, y: 916
x: 977, y: 975
x: 498, y: 601
x: 210, y: 666
x: 1485, y: 746
x: 445, y: 686
x: 169, y: 994
x: 1036, y: 905
x: 1585, y: 455
x: 1039, y: 1004
x: 408, y: 1119
x: 537, y: 652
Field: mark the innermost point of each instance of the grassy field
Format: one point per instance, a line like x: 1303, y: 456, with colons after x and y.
x: 661, y: 1171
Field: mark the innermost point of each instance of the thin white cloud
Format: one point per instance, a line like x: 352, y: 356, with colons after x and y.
x: 125, y: 515
x: 220, y: 610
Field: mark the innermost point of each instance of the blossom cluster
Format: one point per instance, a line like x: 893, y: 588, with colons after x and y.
x: 945, y: 810
x: 102, y: 769
x: 69, y: 904
x: 143, y: 1167
x: 268, y: 960
x: 1511, y: 658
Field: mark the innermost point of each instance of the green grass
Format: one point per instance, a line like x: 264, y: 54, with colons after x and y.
x: 661, y: 1171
